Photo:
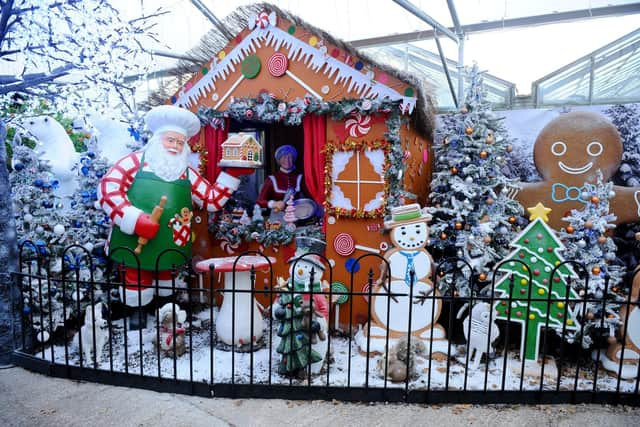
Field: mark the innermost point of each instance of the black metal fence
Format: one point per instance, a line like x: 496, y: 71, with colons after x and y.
x: 66, y: 333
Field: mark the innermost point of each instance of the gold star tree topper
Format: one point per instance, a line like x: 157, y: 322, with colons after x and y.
x: 539, y: 211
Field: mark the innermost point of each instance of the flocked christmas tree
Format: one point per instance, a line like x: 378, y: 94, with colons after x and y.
x: 626, y: 118
x: 531, y: 293
x: 42, y: 220
x: 474, y: 217
x: 88, y: 224
x: 587, y: 242
x: 295, y: 345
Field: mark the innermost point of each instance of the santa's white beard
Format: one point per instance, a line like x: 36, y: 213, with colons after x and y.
x: 166, y: 165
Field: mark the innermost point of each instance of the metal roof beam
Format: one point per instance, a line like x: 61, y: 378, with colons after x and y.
x: 211, y: 17
x: 426, y: 18
x: 550, y: 18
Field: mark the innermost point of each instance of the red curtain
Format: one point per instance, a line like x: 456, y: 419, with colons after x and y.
x: 315, y: 135
x: 213, y: 138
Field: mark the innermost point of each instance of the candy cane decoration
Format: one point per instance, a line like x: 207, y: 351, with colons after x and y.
x: 358, y: 125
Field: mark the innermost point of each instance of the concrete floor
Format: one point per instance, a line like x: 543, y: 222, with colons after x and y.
x: 30, y: 399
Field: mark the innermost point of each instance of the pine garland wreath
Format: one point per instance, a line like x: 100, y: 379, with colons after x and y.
x: 268, y: 109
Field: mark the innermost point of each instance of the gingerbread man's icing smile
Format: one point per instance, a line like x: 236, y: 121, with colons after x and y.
x: 568, y: 153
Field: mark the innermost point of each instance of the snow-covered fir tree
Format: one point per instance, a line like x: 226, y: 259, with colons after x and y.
x: 50, y: 41
x: 626, y: 118
x: 474, y: 217
x: 587, y: 242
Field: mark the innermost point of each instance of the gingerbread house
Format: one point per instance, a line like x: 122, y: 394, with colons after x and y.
x: 362, y: 130
x: 241, y: 150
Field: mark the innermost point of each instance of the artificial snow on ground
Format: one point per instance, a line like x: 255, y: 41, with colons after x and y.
x: 349, y: 368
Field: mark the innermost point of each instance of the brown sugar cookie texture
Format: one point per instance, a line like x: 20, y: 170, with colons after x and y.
x: 568, y: 153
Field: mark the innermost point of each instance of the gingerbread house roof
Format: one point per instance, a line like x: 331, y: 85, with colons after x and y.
x: 419, y: 103
x: 239, y: 140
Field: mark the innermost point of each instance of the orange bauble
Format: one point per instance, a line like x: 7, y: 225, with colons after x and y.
x: 483, y: 154
x: 468, y: 131
x: 570, y: 229
x: 512, y: 220
x: 482, y: 277
x: 595, y: 200
x: 454, y: 170
x: 458, y: 226
x: 443, y: 236
x: 588, y: 224
x: 489, y: 139
x: 595, y: 270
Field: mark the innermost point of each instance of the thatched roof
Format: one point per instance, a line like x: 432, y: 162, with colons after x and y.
x: 214, y: 41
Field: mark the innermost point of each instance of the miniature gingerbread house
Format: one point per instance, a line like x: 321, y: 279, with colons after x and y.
x: 362, y: 131
x: 241, y: 150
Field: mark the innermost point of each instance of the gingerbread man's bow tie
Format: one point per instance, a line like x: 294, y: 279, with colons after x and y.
x: 564, y: 193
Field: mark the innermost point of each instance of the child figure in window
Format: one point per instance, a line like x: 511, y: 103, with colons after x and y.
x: 285, y: 182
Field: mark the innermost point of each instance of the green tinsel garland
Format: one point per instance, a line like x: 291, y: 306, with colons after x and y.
x: 266, y: 108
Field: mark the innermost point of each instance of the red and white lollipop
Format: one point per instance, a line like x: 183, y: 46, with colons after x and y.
x: 278, y: 64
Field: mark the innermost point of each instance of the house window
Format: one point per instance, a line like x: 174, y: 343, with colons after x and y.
x: 235, y: 152
x: 228, y: 152
x: 250, y: 156
x: 357, y: 180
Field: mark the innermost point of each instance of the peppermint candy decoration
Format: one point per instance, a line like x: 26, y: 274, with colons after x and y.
x: 262, y: 20
x: 344, y: 244
x: 282, y: 107
x: 366, y: 104
x: 248, y: 113
x: 278, y: 64
x: 406, y: 155
x: 358, y: 125
x: 228, y: 247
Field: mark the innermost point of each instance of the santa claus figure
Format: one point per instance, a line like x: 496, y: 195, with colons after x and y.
x: 131, y: 191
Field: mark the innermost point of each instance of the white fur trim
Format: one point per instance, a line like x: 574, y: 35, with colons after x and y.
x: 146, y: 295
x: 271, y: 204
x: 226, y: 180
x: 130, y: 216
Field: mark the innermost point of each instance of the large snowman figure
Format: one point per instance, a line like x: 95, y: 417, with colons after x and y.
x: 399, y: 315
x: 304, y: 320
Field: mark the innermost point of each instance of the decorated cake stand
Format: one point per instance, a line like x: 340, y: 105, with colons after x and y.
x: 235, y: 329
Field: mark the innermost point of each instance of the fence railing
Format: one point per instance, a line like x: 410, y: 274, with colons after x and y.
x: 214, y: 340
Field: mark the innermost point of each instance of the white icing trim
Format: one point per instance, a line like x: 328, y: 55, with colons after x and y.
x: 298, y: 50
x: 130, y: 216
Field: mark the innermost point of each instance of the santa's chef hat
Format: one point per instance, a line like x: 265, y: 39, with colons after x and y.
x: 169, y: 118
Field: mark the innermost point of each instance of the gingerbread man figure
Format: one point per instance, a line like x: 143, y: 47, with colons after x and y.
x: 567, y: 153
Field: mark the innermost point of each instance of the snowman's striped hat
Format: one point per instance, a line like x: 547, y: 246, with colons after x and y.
x: 408, y: 214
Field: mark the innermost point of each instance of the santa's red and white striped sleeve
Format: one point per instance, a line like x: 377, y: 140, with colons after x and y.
x: 212, y: 197
x: 112, y: 192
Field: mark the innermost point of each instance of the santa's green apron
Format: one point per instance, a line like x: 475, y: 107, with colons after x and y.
x: 145, y: 193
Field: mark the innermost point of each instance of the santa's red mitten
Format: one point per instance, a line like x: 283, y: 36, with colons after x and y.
x: 238, y: 172
x: 145, y: 227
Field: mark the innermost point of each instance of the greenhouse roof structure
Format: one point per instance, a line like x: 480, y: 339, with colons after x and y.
x: 608, y: 75
x: 435, y: 39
